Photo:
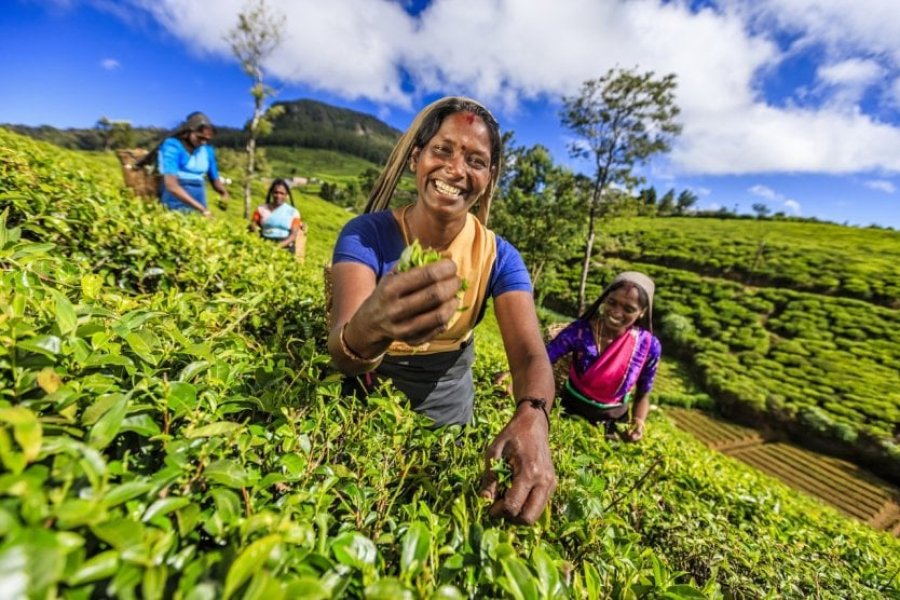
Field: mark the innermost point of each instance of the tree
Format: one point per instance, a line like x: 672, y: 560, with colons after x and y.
x: 667, y: 203
x: 761, y: 209
x: 686, y: 199
x: 115, y: 134
x: 623, y: 118
x: 257, y: 34
x: 537, y: 208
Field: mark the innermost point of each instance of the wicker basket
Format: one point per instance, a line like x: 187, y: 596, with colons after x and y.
x: 561, y: 367
x: 145, y: 181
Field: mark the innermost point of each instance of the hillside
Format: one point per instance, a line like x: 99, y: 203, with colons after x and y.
x: 792, y: 327
x: 303, y: 124
x: 169, y: 429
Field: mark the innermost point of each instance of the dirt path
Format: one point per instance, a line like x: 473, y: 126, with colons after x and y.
x: 839, y: 483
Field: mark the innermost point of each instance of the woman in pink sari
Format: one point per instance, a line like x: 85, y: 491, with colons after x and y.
x: 614, y: 356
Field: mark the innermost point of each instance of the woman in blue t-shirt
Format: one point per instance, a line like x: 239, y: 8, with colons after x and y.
x: 278, y: 220
x: 415, y: 327
x: 185, y: 160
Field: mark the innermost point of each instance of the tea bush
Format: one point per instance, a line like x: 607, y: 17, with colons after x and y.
x: 169, y: 427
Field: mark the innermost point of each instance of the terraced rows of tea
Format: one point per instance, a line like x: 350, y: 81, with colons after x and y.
x: 821, y: 366
x: 170, y: 428
x: 837, y: 482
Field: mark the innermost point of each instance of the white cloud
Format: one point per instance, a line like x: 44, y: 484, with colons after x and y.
x: 849, y: 80
x: 840, y: 26
x: 851, y: 72
x: 881, y: 185
x: 793, y: 206
x: 110, y: 64
x: 504, y: 51
x: 771, y: 195
x: 763, y: 191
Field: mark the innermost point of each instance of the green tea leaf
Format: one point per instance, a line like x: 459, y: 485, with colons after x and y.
x: 414, y: 551
x: 66, y: 318
x: 48, y: 345
x: 101, y: 566
x: 181, y: 397
x: 125, y: 492
x: 91, y: 285
x: 519, y: 581
x: 309, y: 588
x: 354, y: 550
x: 107, y: 427
x: 153, y: 585
x: 164, y: 506
x: 228, y: 473
x: 121, y: 533
x: 219, y: 428
x: 446, y: 592
x: 143, y: 343
x: 248, y: 562
x: 388, y: 588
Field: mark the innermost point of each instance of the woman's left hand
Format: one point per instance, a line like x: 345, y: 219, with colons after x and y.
x: 524, y: 444
x: 637, y: 432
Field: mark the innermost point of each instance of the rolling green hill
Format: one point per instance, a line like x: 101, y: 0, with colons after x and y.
x: 303, y: 124
x: 312, y: 124
x: 169, y: 428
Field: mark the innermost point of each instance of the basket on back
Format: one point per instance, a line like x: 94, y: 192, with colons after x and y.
x: 144, y: 180
x: 561, y: 367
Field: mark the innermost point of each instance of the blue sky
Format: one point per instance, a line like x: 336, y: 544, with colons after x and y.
x: 792, y: 103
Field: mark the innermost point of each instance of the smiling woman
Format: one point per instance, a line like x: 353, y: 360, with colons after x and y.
x: 615, y: 356
x: 415, y: 327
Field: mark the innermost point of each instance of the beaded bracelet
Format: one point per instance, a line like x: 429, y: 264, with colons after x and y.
x: 536, y: 403
x: 369, y: 363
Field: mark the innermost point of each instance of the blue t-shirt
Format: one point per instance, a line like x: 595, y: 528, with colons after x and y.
x: 174, y: 159
x: 376, y: 240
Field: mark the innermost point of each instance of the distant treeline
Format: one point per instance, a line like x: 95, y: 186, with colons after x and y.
x: 303, y: 124
x: 90, y: 139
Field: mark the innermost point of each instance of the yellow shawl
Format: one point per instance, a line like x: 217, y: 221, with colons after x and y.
x: 473, y: 250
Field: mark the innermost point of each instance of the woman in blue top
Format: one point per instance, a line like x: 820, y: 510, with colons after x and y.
x: 415, y: 327
x: 185, y: 160
x: 278, y: 220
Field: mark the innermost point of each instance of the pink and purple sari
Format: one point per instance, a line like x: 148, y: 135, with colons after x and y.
x: 608, y: 380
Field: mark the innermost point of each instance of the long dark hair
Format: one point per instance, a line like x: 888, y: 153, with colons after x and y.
x: 284, y: 184
x: 643, y: 300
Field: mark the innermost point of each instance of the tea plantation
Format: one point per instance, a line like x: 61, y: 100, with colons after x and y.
x: 170, y: 428
x: 789, y: 325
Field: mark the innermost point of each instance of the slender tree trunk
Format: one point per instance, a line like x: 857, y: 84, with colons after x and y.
x: 536, y: 274
x: 585, y: 268
x: 592, y: 234
x: 251, y: 155
x: 248, y: 173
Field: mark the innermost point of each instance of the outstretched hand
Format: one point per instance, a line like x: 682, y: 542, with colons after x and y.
x: 413, y: 306
x: 524, y: 445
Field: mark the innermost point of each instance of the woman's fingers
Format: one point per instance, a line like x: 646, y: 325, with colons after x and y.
x: 419, y: 304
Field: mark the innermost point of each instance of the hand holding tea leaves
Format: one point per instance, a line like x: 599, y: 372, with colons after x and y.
x: 416, y: 256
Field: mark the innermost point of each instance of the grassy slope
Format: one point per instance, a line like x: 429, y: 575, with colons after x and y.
x: 698, y: 512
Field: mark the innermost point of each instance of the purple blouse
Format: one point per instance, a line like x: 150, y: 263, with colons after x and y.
x: 578, y: 338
